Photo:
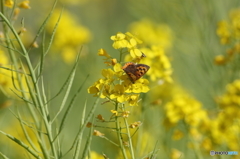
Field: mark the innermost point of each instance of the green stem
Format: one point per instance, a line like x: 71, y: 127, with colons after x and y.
x: 32, y: 152
x: 34, y: 80
x: 104, y: 137
x: 20, y: 82
x: 119, y: 134
x: 128, y: 134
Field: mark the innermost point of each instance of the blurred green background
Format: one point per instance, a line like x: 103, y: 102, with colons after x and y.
x: 194, y: 45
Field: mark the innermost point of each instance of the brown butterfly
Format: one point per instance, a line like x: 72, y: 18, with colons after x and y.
x: 135, y: 71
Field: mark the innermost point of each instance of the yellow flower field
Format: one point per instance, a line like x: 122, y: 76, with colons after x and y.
x: 119, y: 79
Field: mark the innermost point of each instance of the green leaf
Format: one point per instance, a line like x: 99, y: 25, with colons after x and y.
x: 4, y: 157
x: 22, y: 144
x: 71, y: 104
x: 69, y: 86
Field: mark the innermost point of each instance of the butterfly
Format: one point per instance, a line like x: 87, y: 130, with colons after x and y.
x: 135, y: 71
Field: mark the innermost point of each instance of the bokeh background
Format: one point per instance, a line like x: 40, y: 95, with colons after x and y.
x: 182, y: 117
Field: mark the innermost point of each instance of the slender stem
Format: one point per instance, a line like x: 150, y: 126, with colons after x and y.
x: 128, y: 134
x: 119, y: 134
x: 34, y: 80
x: 19, y: 142
x: 104, y: 137
x: 19, y: 79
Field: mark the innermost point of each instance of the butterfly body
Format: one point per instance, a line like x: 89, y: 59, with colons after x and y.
x: 135, y: 71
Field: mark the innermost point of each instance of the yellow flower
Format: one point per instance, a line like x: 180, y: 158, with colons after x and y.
x: 135, y: 53
x: 223, y: 31
x: 119, y: 41
x: 229, y: 33
x: 118, y: 68
x: 159, y: 63
x: 185, y: 108
x: 115, y: 113
x: 235, y: 22
x: 152, y: 33
x: 108, y: 73
x: 9, y: 3
x: 194, y: 132
x: 35, y: 45
x: 132, y: 37
x: 133, y: 99
x: 68, y: 54
x: 109, y: 60
x: 135, y: 124
x: 207, y: 144
x: 102, y: 52
x: 176, y: 154
x: 118, y: 92
x: 126, y: 40
x: 16, y: 13
x: 220, y: 60
x: 24, y: 4
x: 125, y: 114
x: 98, y: 86
x: 139, y: 86
x: 116, y: 84
x: 177, y: 135
x: 159, y: 38
x: 114, y: 61
x: 70, y: 35
x: 95, y: 155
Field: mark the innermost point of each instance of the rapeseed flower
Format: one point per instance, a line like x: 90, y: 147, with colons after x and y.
x: 157, y: 39
x: 152, y: 33
x: 226, y: 124
x: 116, y: 85
x: 95, y: 155
x: 9, y: 3
x: 70, y: 35
x: 24, y: 4
x: 184, y: 107
x: 229, y: 33
x: 122, y: 85
x: 128, y: 41
x: 176, y: 154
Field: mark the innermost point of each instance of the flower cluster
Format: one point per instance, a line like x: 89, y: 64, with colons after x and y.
x: 22, y: 5
x: 127, y: 41
x: 70, y: 35
x: 229, y: 34
x: 230, y: 101
x: 157, y: 39
x: 184, y: 107
x: 227, y: 124
x: 115, y: 84
x: 152, y: 33
x: 217, y: 129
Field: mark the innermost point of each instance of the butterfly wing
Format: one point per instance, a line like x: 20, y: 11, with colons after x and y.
x: 135, y: 71
x: 141, y: 70
x: 130, y: 69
